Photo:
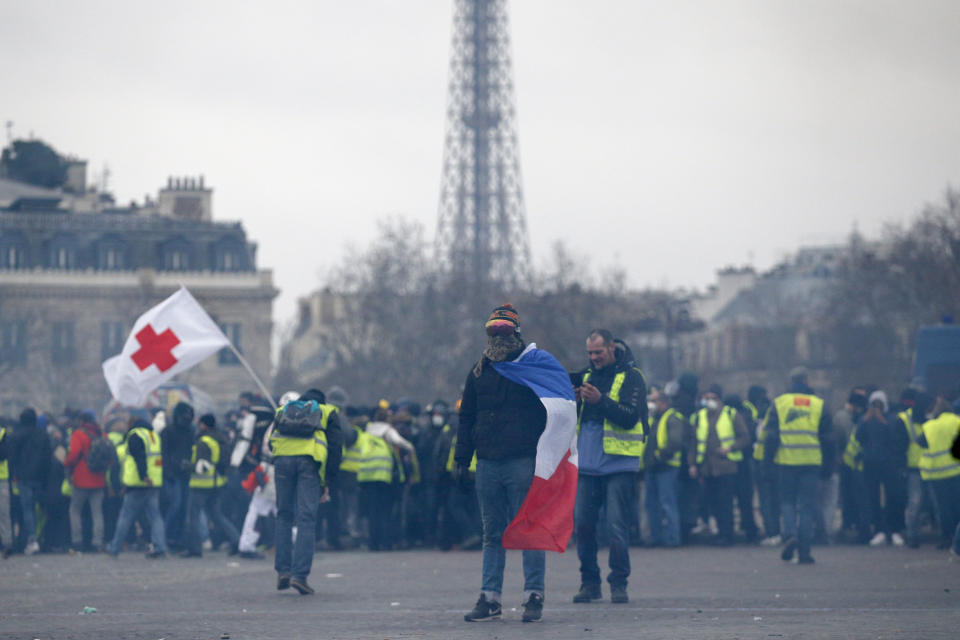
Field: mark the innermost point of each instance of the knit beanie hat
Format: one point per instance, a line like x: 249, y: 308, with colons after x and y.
x: 504, y: 320
x: 879, y: 396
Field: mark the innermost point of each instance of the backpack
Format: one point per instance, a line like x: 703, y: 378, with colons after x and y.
x: 299, y: 419
x: 102, y: 454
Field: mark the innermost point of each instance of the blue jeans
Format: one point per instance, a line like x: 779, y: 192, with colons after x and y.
x: 663, y: 512
x: 798, y: 500
x: 135, y: 501
x: 502, y: 486
x: 298, y: 495
x: 616, y: 492
x: 176, y: 489
x: 28, y: 502
x: 207, y: 501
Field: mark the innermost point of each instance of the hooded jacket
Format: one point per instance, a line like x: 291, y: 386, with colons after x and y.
x: 30, y: 452
x: 80, y: 442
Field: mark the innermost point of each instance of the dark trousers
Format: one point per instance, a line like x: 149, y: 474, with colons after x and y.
x: 176, y: 488
x: 849, y: 497
x: 378, y: 500
x: 946, y: 498
x: 718, y: 495
x: 744, y: 493
x: 207, y: 501
x: 615, y: 493
x: 768, y: 490
x: 689, y: 501
x: 885, y: 516
x: 298, y: 496
x: 798, y: 500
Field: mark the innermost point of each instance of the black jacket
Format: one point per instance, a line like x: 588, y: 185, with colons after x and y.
x: 632, y: 405
x: 30, y: 453
x: 177, y: 448
x: 884, y: 441
x: 499, y: 419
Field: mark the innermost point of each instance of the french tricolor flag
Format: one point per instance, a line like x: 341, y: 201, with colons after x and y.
x: 545, y: 519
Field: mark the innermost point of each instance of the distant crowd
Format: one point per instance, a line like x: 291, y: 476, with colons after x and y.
x: 63, y: 477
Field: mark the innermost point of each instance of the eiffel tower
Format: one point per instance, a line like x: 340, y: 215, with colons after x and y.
x: 481, y: 229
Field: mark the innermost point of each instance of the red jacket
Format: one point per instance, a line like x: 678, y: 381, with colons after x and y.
x: 76, y: 460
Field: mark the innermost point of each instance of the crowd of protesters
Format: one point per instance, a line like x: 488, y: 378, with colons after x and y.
x: 887, y: 475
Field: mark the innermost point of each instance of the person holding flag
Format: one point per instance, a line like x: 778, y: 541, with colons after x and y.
x: 519, y: 416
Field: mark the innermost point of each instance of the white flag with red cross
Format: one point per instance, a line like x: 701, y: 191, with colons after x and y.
x: 166, y: 340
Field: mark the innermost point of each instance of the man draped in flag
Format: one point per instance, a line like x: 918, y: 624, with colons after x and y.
x: 519, y: 416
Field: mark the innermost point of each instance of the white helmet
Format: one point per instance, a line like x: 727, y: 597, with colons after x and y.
x: 289, y: 396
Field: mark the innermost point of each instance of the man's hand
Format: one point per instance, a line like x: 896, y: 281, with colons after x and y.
x: 590, y: 394
x: 325, y: 496
x: 693, y: 471
x: 724, y: 451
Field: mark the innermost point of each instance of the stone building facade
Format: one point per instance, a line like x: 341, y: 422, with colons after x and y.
x: 73, y: 281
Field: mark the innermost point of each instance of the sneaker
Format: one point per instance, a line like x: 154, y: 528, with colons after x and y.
x: 772, y: 541
x: 618, y: 595
x: 533, y: 608
x: 300, y: 584
x: 788, y: 549
x: 32, y: 548
x: 485, y: 610
x: 588, y: 593
x: 252, y: 555
x: 283, y: 581
x: 897, y: 540
x: 807, y: 559
x: 156, y: 555
x: 879, y: 539
x: 207, y: 545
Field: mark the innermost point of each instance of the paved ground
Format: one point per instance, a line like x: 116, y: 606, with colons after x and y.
x: 852, y: 592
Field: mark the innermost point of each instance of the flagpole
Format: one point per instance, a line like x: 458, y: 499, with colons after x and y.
x: 253, y: 375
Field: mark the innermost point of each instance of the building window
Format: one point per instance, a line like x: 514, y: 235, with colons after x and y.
x: 227, y: 255
x: 111, y: 254
x: 175, y: 256
x: 13, y: 342
x: 64, y: 350
x: 13, y: 252
x: 112, y: 337
x: 63, y: 253
x: 232, y: 330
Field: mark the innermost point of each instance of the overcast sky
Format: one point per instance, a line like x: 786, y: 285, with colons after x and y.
x: 671, y: 137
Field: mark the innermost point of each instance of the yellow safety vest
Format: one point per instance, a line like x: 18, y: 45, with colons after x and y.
x: 453, y: 450
x: 618, y: 441
x: 759, y: 448
x: 351, y: 455
x: 663, y: 438
x: 799, y: 415
x: 377, y: 461
x: 315, y: 447
x: 914, y: 450
x: 4, y: 467
x: 151, y: 444
x: 937, y: 462
x: 210, y: 479
x: 725, y: 432
x: 852, y: 451
x: 117, y: 440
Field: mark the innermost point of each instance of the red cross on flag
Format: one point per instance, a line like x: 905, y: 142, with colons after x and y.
x: 166, y: 340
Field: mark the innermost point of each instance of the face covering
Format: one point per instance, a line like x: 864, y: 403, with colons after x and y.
x: 437, y: 420
x: 710, y: 404
x: 652, y: 407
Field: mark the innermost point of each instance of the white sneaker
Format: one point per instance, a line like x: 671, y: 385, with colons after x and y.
x: 207, y: 545
x: 771, y: 541
x: 897, y: 540
x: 700, y: 528
x: 32, y: 548
x: 879, y: 539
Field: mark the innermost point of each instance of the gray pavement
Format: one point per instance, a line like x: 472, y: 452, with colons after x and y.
x: 743, y: 592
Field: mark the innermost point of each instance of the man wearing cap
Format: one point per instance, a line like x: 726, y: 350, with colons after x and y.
x: 612, y: 421
x: 501, y: 421
x: 799, y: 442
